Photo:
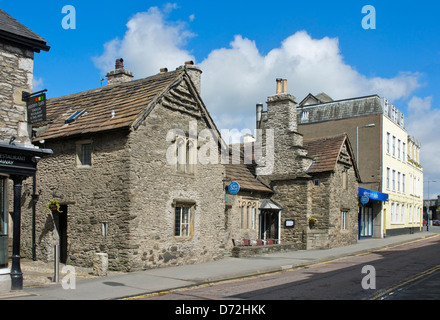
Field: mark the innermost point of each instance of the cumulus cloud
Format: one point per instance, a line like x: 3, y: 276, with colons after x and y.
x: 150, y: 43
x: 422, y: 122
x: 245, y: 77
x: 237, y: 77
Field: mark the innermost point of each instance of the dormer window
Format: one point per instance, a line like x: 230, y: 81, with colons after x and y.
x: 304, y: 115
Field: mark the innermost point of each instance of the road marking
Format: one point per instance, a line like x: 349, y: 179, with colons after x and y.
x: 282, y: 268
x: 405, y: 282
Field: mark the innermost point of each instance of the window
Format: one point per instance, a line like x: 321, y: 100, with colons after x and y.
x: 304, y: 115
x: 403, y: 183
x: 316, y: 182
x: 343, y: 220
x: 248, y: 215
x: 185, y: 155
x: 388, y: 142
x: 182, y: 221
x: 84, y: 153
x: 394, y: 180
x: 394, y: 146
x: 392, y: 212
x: 404, y: 152
x: 398, y: 181
x: 388, y: 177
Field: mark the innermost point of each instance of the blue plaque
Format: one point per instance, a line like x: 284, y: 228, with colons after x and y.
x: 233, y: 187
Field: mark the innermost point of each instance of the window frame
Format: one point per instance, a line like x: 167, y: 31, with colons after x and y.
x: 181, y: 209
x: 80, y: 154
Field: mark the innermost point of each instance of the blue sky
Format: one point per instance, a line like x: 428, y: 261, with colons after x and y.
x: 242, y: 46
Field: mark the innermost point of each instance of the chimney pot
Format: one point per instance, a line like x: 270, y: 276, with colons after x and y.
x: 279, y: 85
x: 189, y: 62
x: 163, y: 70
x: 119, y: 63
x: 284, y: 86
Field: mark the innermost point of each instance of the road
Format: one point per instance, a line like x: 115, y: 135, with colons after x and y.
x: 410, y: 271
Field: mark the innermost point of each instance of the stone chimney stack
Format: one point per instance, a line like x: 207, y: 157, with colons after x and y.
x: 281, y: 108
x: 195, y: 73
x: 120, y: 74
x: 280, y: 118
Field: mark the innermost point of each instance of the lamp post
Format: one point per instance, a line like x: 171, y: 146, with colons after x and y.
x: 371, y: 125
x: 427, y: 205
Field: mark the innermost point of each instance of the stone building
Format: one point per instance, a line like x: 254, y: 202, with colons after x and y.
x: 126, y: 175
x: 17, y: 47
x: 387, y: 157
x: 298, y: 181
x: 18, y: 157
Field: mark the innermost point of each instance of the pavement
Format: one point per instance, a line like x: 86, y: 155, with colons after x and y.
x: 38, y: 276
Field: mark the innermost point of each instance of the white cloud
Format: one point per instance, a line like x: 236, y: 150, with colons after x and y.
x: 37, y: 84
x: 244, y: 77
x: 149, y: 44
x: 422, y: 123
x: 235, y: 78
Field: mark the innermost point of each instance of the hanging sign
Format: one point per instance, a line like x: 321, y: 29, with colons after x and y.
x: 233, y: 187
x: 36, y: 108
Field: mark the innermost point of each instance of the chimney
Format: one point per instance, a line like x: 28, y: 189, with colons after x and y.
x: 281, y: 108
x: 195, y: 74
x: 279, y: 80
x: 119, y: 75
x: 259, y: 114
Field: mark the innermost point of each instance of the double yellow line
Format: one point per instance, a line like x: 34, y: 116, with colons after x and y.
x: 405, y: 282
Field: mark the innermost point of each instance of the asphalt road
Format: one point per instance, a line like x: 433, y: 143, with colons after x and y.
x: 404, y: 272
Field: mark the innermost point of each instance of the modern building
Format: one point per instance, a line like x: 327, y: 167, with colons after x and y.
x: 18, y: 157
x: 388, y: 158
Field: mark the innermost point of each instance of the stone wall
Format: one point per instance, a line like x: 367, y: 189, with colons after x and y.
x: 156, y: 185
x: 132, y: 189
x: 234, y: 228
x: 294, y: 197
x: 94, y: 196
x: 16, y: 75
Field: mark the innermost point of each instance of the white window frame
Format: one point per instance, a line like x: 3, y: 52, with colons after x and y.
x: 344, y: 214
x: 182, y: 231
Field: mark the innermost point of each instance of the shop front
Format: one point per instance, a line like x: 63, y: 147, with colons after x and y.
x: 370, y: 213
x: 16, y: 163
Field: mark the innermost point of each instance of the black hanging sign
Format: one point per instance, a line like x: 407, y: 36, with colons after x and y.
x: 36, y: 107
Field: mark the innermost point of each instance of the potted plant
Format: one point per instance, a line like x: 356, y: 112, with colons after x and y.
x: 53, y: 205
x: 312, y: 221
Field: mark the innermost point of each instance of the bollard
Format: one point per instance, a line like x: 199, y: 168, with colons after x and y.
x: 100, y: 264
x: 56, y: 263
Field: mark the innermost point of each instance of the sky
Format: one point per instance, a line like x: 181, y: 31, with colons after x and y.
x: 392, y: 50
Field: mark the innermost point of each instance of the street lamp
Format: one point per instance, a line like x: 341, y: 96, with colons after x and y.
x: 427, y: 205
x: 371, y: 125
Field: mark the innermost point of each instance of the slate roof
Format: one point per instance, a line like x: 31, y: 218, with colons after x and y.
x: 242, y: 174
x: 13, y: 31
x: 340, y: 109
x: 325, y: 152
x: 106, y: 108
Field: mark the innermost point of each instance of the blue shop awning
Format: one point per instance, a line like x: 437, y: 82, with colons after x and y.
x: 373, y: 195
